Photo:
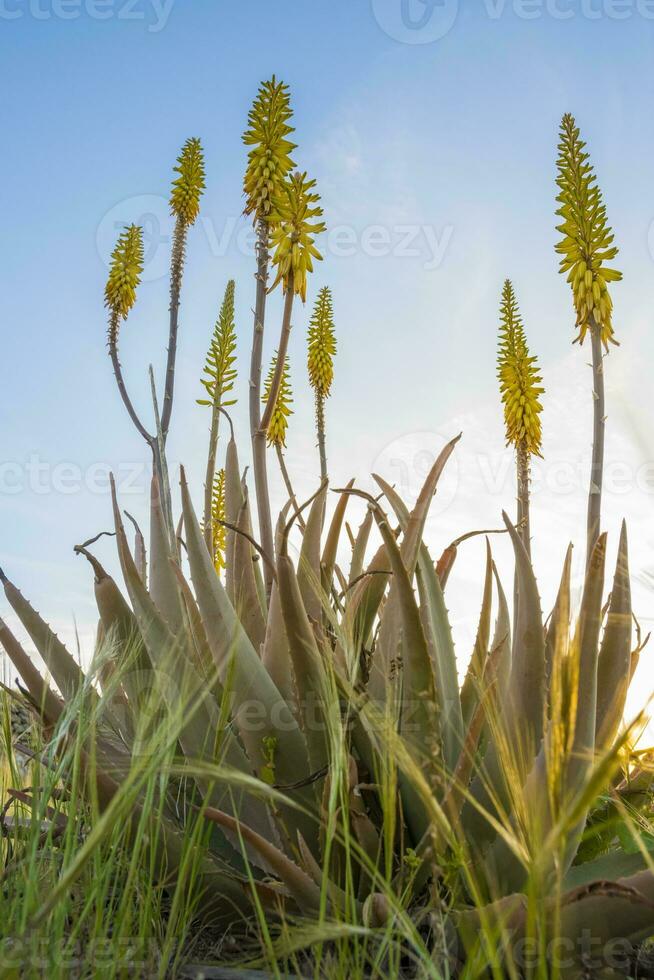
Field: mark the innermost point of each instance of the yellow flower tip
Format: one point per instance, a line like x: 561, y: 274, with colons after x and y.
x: 124, y: 275
x: 189, y: 184
x: 586, y: 244
x: 278, y: 426
x: 269, y: 159
x: 321, y: 345
x: 519, y: 378
x: 294, y: 220
x: 219, y: 531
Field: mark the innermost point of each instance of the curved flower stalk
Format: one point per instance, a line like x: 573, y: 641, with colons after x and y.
x: 269, y: 162
x: 220, y: 375
x: 520, y: 389
x: 321, y: 348
x: 185, y: 197
x: 586, y: 247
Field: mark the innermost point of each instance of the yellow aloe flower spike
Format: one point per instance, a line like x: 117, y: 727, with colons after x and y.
x: 269, y: 160
x: 219, y: 370
x: 276, y: 432
x: 188, y: 186
x: 124, y: 276
x: 587, y: 242
x: 293, y: 229
x: 219, y: 531
x: 519, y: 379
x: 322, y: 344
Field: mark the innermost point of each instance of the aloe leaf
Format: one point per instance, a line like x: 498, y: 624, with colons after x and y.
x: 191, y: 706
x: 438, y: 634
x: 245, y: 677
x: 163, y: 585
x: 65, y: 671
x: 606, y: 910
x: 140, y: 554
x: 419, y: 722
x: 614, y: 665
x: 44, y: 698
x: 386, y: 647
x: 475, y: 672
x: 247, y: 595
x: 308, y: 571
x: 305, y: 891
x: 328, y: 560
x: 311, y: 680
x: 360, y: 545
x: 558, y: 631
x: 527, y: 681
x: 502, y: 636
x: 608, y: 867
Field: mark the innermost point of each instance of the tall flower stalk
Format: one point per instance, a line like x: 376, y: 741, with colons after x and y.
x: 220, y: 375
x: 185, y: 197
x: 269, y: 163
x: 520, y: 389
x: 321, y: 348
x: 586, y: 247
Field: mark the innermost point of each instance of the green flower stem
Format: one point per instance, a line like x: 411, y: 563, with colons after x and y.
x: 320, y: 426
x: 258, y: 439
x: 597, y: 464
x: 176, y: 271
x: 281, y: 356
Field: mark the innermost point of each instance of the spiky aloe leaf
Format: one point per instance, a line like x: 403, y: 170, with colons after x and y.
x: 65, y: 671
x: 44, y: 698
x: 163, y: 585
x: 328, y: 560
x: 613, y: 670
x: 243, y: 579
x: 311, y: 678
x: 475, y: 673
x: 239, y: 664
x: 360, y: 546
x: 386, y: 647
x: 438, y: 633
x: 305, y: 891
x: 308, y: 572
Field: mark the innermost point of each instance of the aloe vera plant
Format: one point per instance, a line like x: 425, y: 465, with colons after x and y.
x: 318, y: 725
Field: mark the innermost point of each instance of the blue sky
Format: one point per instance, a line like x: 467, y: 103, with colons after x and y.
x: 435, y: 156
